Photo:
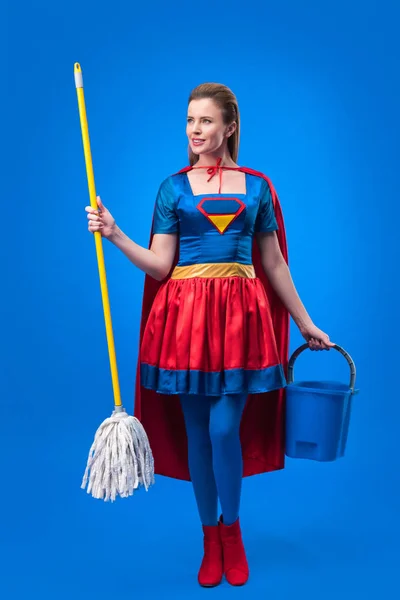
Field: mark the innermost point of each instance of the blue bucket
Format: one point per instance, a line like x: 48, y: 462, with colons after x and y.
x: 318, y: 414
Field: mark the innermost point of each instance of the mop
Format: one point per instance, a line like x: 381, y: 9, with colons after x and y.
x: 120, y: 459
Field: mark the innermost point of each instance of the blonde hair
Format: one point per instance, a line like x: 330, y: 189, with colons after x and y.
x: 226, y: 100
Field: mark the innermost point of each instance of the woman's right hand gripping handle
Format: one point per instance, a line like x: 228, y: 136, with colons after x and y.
x: 156, y: 262
x: 101, y: 219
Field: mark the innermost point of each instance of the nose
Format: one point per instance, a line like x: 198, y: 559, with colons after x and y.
x: 196, y: 127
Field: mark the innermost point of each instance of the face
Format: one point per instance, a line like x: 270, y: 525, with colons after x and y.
x: 205, y: 128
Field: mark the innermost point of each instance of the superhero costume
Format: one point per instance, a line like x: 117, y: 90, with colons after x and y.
x: 214, y: 326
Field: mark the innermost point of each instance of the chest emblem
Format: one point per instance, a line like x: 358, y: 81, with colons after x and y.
x: 221, y: 212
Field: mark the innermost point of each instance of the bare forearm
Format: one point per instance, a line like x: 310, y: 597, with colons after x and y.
x: 281, y: 280
x: 146, y: 260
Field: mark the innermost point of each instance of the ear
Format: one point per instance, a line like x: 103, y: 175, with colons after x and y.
x: 231, y: 129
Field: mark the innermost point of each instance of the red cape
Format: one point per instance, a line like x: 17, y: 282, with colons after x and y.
x: 263, y: 422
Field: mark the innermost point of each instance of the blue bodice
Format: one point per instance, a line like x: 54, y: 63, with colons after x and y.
x: 214, y: 228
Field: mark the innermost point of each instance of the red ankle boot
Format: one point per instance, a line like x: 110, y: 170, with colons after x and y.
x: 234, y: 555
x: 211, y: 569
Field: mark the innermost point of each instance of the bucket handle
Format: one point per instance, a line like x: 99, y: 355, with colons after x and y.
x: 336, y: 347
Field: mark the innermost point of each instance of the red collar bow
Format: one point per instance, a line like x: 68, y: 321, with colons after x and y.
x: 213, y: 170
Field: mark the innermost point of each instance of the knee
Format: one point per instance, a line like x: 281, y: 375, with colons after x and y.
x: 198, y: 438
x: 197, y: 433
x: 223, y: 433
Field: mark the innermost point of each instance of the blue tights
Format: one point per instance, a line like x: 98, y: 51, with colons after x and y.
x: 215, y: 453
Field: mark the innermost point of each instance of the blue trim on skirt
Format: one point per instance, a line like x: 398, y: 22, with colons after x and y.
x: 230, y: 381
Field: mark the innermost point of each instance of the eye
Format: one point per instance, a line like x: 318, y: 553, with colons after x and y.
x: 206, y: 120
x: 189, y: 119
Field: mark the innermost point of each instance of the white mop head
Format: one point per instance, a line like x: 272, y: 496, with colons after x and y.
x: 120, y: 459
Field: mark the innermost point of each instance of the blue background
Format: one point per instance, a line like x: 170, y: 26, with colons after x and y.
x: 319, y: 97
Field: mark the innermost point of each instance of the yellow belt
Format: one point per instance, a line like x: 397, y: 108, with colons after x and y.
x: 214, y: 270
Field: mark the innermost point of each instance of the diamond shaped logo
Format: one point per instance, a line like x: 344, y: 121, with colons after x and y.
x: 221, y: 212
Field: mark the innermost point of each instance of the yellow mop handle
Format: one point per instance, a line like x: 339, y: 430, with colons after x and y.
x: 97, y: 234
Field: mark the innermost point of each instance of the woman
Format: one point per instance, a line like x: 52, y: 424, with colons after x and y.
x: 214, y: 331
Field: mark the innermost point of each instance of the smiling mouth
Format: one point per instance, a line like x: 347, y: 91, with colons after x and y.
x: 197, y: 141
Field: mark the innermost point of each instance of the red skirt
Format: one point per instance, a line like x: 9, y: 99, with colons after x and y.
x: 210, y: 335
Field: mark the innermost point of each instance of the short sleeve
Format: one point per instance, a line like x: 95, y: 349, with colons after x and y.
x: 165, y: 218
x: 265, y: 220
